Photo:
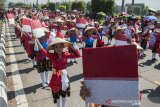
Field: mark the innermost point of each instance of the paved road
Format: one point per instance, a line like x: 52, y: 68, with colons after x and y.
x: 149, y: 78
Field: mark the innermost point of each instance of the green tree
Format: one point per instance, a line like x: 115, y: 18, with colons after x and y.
x: 22, y: 5
x: 44, y: 6
x: 78, y: 5
x: 145, y: 10
x: 62, y: 7
x: 89, y: 5
x: 1, y: 3
x: 136, y: 10
x: 67, y: 4
x: 110, y: 6
x: 11, y: 5
x: 129, y: 9
x: 51, y: 6
x: 106, y: 6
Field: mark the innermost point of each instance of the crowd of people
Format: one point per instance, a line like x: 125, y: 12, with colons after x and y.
x: 64, y: 30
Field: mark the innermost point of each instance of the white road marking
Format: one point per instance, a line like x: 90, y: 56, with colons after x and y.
x: 18, y: 86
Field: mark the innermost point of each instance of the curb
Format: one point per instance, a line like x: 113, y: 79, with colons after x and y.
x: 3, y: 82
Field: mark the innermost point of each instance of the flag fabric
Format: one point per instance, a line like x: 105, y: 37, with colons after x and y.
x: 120, y: 39
x: 81, y: 23
x: 26, y: 25
x: 111, y: 78
x: 52, y: 18
x: 64, y: 30
x: 10, y: 17
x: 37, y: 28
x: 60, y: 35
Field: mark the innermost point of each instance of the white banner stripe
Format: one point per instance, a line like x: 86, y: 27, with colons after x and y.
x: 26, y: 28
x: 112, y: 78
x: 39, y: 32
x: 108, y: 90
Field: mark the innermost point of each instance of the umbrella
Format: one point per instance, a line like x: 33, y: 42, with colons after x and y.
x: 151, y: 18
x: 101, y: 14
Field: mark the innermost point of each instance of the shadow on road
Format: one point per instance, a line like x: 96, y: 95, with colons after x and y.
x: 27, y: 70
x: 76, y: 77
x: 28, y: 90
x: 148, y: 63
x: 157, y: 67
x: 153, y: 95
x: 19, y: 61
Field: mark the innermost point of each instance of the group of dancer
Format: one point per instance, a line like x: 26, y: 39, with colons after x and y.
x: 62, y: 30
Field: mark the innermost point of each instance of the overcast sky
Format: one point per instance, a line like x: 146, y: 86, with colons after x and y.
x: 151, y: 3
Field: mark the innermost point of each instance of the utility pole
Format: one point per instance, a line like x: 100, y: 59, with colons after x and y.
x: 132, y: 2
x: 132, y: 5
x: 122, y: 8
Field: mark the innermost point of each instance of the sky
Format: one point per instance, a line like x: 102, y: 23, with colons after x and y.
x: 151, y: 3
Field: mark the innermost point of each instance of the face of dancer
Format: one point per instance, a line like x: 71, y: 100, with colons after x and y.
x: 89, y: 32
x: 58, y: 48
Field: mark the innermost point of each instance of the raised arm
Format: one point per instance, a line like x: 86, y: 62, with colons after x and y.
x: 45, y: 53
x: 76, y: 53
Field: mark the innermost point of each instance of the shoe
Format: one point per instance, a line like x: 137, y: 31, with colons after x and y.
x: 71, y: 62
x: 76, y: 62
x: 141, y: 57
x: 144, y: 55
x: 44, y: 85
x: 154, y: 59
x: 47, y: 82
x: 34, y: 66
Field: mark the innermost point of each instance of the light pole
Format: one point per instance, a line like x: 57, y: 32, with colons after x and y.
x: 122, y: 8
x: 132, y: 6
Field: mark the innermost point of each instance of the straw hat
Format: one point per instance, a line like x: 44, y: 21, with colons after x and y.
x: 157, y: 30
x: 45, y: 18
x: 112, y: 20
x: 72, y: 29
x: 100, y: 27
x: 45, y: 29
x: 137, y: 31
x: 88, y: 28
x: 72, y: 21
x: 96, y: 23
x: 59, y: 20
x: 58, y: 41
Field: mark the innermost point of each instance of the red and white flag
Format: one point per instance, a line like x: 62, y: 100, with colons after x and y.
x: 26, y: 25
x: 81, y: 23
x: 112, y: 79
x: 59, y: 34
x: 10, y: 17
x: 52, y: 17
x: 37, y: 28
x: 64, y: 30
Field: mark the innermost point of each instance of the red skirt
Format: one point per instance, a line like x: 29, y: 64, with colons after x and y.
x: 100, y: 43
x: 55, y: 82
